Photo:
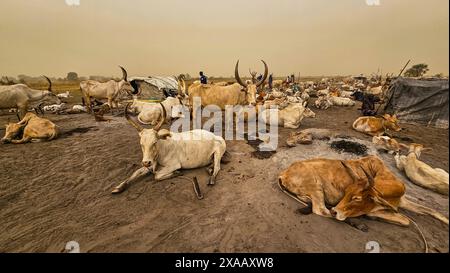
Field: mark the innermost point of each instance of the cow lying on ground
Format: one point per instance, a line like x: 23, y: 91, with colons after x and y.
x: 376, y: 126
x: 150, y: 113
x: 354, y: 187
x: 421, y: 173
x: 338, y: 101
x: 164, y: 152
x: 323, y: 102
x: 33, y: 128
x: 289, y: 117
x: 308, y: 135
x: 389, y: 144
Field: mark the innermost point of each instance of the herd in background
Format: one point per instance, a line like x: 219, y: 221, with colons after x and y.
x: 353, y: 187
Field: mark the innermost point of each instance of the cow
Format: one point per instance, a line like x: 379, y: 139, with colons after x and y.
x: 109, y: 90
x: 420, y: 173
x: 150, y: 114
x: 376, y: 126
x: 338, y: 101
x: 352, y: 188
x: 289, y: 117
x: 164, y: 152
x: 55, y: 108
x: 389, y: 144
x: 308, y: 135
x: 323, y: 102
x: 239, y: 93
x: 21, y: 97
x: 32, y: 128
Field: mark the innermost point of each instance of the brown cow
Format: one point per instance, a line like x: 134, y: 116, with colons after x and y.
x: 354, y: 187
x: 33, y: 128
x: 376, y: 126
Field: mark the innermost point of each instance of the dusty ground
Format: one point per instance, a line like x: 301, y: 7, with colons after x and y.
x: 59, y: 191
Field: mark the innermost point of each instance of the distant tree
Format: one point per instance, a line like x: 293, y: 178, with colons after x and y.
x: 72, y: 76
x: 417, y: 70
x: 439, y: 75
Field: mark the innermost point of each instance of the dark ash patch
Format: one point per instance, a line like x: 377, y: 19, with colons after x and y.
x: 349, y: 147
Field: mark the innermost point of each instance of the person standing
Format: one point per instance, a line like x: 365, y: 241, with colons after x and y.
x: 203, y: 78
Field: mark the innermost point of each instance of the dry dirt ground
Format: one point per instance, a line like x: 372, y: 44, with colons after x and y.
x: 59, y: 191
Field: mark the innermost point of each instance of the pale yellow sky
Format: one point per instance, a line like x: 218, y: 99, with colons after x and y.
x: 167, y: 37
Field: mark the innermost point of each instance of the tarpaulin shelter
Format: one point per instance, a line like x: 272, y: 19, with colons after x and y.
x: 154, y: 87
x: 419, y: 101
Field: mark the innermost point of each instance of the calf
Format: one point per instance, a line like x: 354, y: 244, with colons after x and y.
x: 389, y: 144
x: 376, y: 126
x: 338, y: 101
x: 353, y: 187
x: 421, y: 173
x: 33, y: 127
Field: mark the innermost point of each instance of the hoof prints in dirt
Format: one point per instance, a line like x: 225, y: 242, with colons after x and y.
x: 349, y: 147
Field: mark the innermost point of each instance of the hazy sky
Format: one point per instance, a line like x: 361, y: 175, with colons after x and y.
x: 166, y: 37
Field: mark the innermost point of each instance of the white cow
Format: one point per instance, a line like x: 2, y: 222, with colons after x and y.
x: 339, y: 101
x: 150, y: 114
x: 109, y: 90
x: 421, y: 173
x: 289, y: 117
x: 164, y: 152
x: 21, y: 97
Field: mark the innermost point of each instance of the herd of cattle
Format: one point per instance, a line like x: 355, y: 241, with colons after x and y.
x: 337, y: 189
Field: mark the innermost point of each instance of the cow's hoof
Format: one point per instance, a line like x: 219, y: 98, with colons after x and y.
x: 210, y: 171
x: 212, y: 181
x: 118, y: 189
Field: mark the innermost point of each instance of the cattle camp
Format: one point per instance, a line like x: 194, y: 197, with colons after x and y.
x: 249, y: 155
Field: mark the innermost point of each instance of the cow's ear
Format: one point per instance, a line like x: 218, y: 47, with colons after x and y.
x: 386, y: 116
x: 163, y: 134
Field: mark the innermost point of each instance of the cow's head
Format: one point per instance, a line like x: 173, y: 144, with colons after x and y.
x: 308, y: 113
x: 391, y: 122
x: 13, y: 130
x: 248, y: 87
x: 125, y: 85
x: 149, y: 138
x: 361, y: 197
x: 417, y: 149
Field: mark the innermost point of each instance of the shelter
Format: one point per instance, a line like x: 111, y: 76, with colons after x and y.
x: 419, y: 101
x: 154, y: 88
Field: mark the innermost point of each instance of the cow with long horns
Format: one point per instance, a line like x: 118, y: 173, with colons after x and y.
x: 240, y: 93
x: 109, y: 90
x: 164, y: 152
x: 21, y: 96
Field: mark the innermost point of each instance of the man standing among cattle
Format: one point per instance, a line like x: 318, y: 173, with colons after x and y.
x: 203, y: 78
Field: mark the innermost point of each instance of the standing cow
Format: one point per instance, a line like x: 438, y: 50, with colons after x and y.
x: 109, y: 90
x: 21, y: 97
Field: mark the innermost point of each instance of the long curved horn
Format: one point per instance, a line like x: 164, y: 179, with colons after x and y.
x: 352, y: 174
x: 133, y: 123
x: 266, y: 73
x: 49, y: 83
x: 236, y: 75
x: 163, y: 118
x: 369, y: 177
x: 124, y: 74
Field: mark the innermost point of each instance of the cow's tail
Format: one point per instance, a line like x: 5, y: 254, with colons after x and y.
x: 290, y: 194
x: 419, y: 209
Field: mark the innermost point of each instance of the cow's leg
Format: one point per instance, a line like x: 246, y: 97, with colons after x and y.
x: 88, y: 104
x: 168, y: 172
x: 390, y: 217
x: 110, y: 103
x: 216, y: 168
x: 318, y: 204
x: 25, y: 139
x: 135, y: 176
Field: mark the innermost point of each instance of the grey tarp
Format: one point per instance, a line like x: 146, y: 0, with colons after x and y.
x: 419, y: 101
x: 152, y: 87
